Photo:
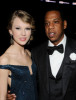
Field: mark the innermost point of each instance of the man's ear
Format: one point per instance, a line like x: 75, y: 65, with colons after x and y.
x: 65, y: 24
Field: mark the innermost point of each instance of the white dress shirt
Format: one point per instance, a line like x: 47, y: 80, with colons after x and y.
x: 56, y: 58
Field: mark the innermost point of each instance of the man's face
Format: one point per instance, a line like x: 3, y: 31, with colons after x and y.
x: 54, y: 26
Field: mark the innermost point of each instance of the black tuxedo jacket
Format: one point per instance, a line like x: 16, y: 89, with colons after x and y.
x: 39, y: 55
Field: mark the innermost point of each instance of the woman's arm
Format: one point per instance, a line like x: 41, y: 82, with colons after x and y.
x: 3, y: 78
x: 3, y: 83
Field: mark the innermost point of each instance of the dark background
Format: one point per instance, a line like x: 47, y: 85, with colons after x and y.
x: 37, y: 9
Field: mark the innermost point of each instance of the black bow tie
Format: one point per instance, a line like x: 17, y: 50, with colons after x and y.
x: 58, y: 48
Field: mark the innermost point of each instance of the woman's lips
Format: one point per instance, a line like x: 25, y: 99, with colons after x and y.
x: 22, y: 39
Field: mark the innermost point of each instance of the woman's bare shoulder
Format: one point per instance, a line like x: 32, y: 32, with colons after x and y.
x: 4, y: 59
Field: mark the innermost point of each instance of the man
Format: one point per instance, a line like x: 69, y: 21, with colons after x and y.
x: 56, y: 69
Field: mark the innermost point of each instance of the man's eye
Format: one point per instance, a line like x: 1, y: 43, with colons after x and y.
x: 46, y: 24
x: 56, y: 21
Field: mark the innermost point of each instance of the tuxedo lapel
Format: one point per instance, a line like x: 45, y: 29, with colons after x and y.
x: 43, y: 63
x: 68, y: 66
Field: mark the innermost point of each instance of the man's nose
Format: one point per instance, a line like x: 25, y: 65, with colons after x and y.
x: 51, y: 25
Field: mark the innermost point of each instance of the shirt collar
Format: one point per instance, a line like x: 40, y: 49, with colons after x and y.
x: 62, y: 42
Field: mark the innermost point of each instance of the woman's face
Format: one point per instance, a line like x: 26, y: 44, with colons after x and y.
x: 21, y: 31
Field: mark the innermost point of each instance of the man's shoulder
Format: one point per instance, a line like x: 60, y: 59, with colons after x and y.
x: 40, y: 47
x: 72, y: 41
x: 38, y: 51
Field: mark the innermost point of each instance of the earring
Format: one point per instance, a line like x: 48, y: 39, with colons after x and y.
x: 11, y: 40
x: 31, y: 38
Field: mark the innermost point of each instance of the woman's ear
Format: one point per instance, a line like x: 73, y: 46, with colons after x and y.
x: 10, y: 32
x: 65, y: 24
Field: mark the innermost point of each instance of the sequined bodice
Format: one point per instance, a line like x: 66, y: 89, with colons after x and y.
x: 22, y: 83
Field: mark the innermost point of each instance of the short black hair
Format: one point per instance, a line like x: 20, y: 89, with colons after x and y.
x: 56, y: 7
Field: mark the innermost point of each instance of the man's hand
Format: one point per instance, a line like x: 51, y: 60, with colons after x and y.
x: 11, y: 96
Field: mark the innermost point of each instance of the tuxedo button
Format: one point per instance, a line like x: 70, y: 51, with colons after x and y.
x: 56, y: 81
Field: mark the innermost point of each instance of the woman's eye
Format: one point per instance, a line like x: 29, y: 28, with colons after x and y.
x: 28, y: 28
x: 17, y: 28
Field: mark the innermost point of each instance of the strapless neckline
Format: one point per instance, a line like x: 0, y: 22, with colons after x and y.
x: 22, y: 83
x: 17, y: 65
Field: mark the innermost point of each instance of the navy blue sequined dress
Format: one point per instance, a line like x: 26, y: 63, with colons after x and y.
x: 22, y: 83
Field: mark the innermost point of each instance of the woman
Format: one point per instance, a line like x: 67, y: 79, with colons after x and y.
x: 17, y: 69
